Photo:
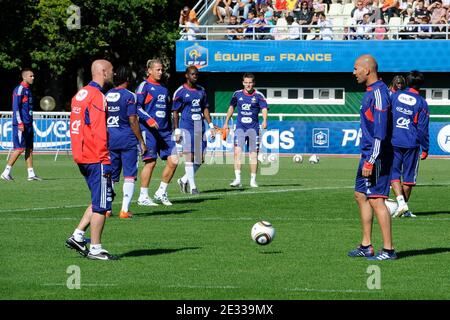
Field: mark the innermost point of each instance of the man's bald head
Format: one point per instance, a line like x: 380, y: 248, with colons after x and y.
x: 102, y: 71
x: 366, y: 69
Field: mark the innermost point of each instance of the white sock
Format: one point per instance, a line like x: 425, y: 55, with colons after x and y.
x: 189, y: 168
x: 144, y: 193
x: 253, y: 176
x: 7, y: 170
x: 78, y: 235
x: 162, y: 188
x: 128, y: 189
x: 237, y: 173
x: 184, y: 178
x: 95, y: 248
x: 31, y: 172
x: 401, y: 201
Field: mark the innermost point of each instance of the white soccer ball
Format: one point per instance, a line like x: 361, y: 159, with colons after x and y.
x: 273, y: 158
x: 297, y: 158
x: 392, y: 205
x: 263, y: 232
x: 314, y: 159
x: 262, y: 157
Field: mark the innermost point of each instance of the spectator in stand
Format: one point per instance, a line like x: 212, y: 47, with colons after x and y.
x: 364, y: 28
x: 318, y: 6
x: 304, y: 17
x: 380, y: 30
x: 192, y: 28
x: 424, y: 29
x: 280, y: 7
x: 358, y: 12
x: 270, y: 22
x: 314, y: 28
x: 262, y: 27
x: 437, y: 11
x: 439, y: 31
x: 185, y: 14
x: 242, y: 5
x: 326, y: 27
x: 390, y: 9
x: 408, y: 32
x: 294, y: 30
x: 374, y: 10
x: 233, y: 29
x: 291, y: 5
x: 261, y: 4
x: 420, y: 11
x: 222, y: 9
x: 250, y: 25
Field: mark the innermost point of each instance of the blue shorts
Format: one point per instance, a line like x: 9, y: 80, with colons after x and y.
x: 126, y: 159
x: 158, y: 144
x: 23, y: 139
x: 378, y: 184
x: 193, y: 142
x: 247, y: 139
x: 405, y: 165
x: 102, y: 194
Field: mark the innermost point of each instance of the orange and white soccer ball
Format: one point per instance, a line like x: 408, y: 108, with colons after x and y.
x: 263, y: 232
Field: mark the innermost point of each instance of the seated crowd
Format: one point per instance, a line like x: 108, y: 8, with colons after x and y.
x: 324, y: 19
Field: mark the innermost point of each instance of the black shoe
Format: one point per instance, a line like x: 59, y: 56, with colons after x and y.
x: 80, y: 247
x: 102, y: 255
x: 195, y: 191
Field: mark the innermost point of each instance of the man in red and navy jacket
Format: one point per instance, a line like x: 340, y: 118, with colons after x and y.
x: 23, y: 134
x: 89, y: 138
x: 410, y: 139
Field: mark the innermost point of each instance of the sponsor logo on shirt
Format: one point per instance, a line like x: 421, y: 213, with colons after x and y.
x: 403, y: 123
x: 407, y: 99
x: 113, y: 97
x: 404, y: 111
x: 81, y: 95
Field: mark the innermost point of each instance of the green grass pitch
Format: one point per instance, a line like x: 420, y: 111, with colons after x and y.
x: 200, y: 248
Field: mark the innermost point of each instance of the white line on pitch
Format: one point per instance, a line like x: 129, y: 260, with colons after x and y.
x: 332, y: 290
x: 201, y: 287
x: 82, y: 285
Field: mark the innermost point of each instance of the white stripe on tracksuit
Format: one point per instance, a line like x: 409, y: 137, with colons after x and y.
x: 103, y: 188
x: 377, y: 142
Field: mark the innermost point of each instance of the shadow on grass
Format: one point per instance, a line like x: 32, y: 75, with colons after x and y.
x: 194, y: 200
x: 154, y: 252
x: 222, y: 190
x: 430, y: 213
x: 271, y: 252
x: 162, y: 213
x: 421, y: 252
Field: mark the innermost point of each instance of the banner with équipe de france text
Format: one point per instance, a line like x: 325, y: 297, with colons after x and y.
x: 311, y: 56
x: 289, y: 137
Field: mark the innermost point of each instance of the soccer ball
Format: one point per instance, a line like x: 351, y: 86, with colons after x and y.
x: 263, y: 232
x: 314, y: 159
x: 273, y: 158
x: 297, y: 158
x: 262, y: 157
x: 392, y: 205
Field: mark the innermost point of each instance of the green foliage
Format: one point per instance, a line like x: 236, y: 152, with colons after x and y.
x: 125, y: 31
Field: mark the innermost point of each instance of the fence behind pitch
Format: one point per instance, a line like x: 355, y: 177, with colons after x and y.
x: 51, y: 131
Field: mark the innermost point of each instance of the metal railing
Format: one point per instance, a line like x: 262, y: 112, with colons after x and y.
x: 333, y: 32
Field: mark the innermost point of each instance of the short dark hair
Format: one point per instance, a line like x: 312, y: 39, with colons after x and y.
x: 188, y: 69
x: 248, y: 75
x: 415, y: 79
x: 25, y: 70
x: 122, y: 74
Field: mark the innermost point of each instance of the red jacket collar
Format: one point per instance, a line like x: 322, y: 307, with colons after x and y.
x: 413, y: 90
x: 26, y: 85
x: 153, y: 81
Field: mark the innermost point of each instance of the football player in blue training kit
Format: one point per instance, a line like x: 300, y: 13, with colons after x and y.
x: 154, y: 112
x: 373, y: 176
x: 190, y: 100
x: 124, y: 135
x: 249, y: 102
x: 23, y: 133
x: 410, y: 138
